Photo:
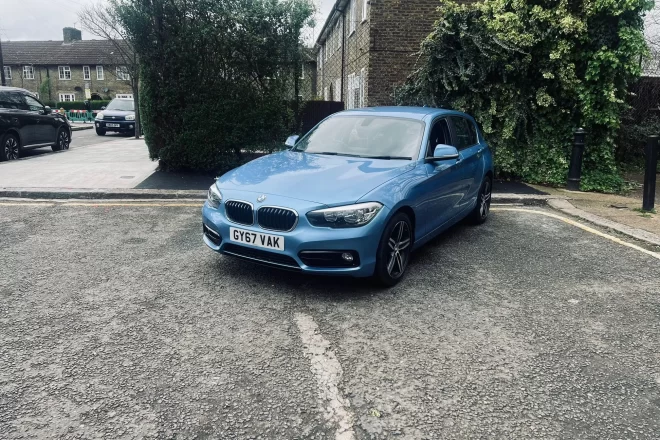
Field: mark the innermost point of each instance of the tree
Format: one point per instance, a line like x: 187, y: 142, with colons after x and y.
x: 214, y: 75
x: 102, y: 20
x: 533, y: 71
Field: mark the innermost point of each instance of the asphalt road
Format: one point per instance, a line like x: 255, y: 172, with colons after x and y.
x: 82, y: 138
x: 117, y: 322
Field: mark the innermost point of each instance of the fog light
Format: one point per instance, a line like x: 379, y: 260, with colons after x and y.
x: 347, y: 257
x: 98, y: 125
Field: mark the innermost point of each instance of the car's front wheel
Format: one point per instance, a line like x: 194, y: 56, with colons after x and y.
x: 63, y: 140
x: 100, y: 132
x: 10, y: 148
x: 394, y: 250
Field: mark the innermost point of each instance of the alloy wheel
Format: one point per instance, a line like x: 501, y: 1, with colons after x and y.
x: 399, y: 249
x: 64, y: 140
x: 11, y: 148
x: 484, y: 202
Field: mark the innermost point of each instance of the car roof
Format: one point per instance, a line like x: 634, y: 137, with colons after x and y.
x: 400, y: 112
x: 14, y: 89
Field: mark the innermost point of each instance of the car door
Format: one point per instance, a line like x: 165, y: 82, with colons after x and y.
x: 466, y: 142
x: 17, y: 109
x: 442, y: 190
x: 44, y: 128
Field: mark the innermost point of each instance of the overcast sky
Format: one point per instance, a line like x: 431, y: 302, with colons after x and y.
x: 44, y: 19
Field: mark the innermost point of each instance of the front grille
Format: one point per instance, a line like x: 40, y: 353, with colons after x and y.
x: 277, y: 219
x: 114, y: 118
x: 239, y: 212
x: 259, y: 256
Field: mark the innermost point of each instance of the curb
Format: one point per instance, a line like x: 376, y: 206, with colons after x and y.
x: 567, y: 207
x: 82, y: 127
x: 96, y: 194
x: 524, y: 199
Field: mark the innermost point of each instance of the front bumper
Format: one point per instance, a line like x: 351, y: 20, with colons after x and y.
x: 363, y: 241
x: 123, y: 125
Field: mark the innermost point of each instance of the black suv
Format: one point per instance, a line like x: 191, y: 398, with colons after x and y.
x: 25, y: 123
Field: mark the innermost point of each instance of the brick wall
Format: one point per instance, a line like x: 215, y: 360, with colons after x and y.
x: 58, y: 86
x: 397, y: 29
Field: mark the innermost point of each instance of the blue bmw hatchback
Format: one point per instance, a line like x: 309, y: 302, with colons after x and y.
x: 356, y: 195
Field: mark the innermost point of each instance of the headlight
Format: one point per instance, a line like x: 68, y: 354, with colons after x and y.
x: 99, y: 115
x: 130, y: 117
x: 214, y: 197
x: 349, y: 216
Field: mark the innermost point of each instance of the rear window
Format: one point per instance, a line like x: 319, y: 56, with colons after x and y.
x: 12, y: 100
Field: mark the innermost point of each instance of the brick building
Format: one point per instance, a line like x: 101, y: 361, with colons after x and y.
x: 68, y: 70
x: 366, y: 48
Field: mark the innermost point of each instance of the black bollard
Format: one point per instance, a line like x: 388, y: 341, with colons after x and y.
x: 575, y: 170
x: 651, y: 152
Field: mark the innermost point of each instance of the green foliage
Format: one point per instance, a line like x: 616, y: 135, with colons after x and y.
x: 214, y: 75
x: 80, y: 105
x: 44, y: 87
x: 531, y: 72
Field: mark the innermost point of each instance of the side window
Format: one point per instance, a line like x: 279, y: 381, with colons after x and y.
x: 465, y: 132
x: 439, y: 135
x: 33, y: 104
x: 11, y: 100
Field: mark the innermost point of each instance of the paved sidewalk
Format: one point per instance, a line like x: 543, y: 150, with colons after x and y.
x: 121, y: 164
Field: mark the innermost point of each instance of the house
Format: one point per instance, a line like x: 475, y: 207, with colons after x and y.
x: 366, y: 48
x: 68, y: 70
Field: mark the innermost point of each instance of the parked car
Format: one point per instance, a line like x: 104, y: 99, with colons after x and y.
x: 356, y: 195
x: 26, y: 123
x: 118, y: 116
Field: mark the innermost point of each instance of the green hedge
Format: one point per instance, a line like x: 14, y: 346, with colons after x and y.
x: 80, y: 105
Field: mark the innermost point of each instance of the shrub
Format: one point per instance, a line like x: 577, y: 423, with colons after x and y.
x: 531, y: 72
x: 80, y: 105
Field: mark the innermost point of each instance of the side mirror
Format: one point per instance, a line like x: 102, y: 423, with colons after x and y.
x: 102, y: 107
x: 291, y: 141
x: 444, y: 152
x: 47, y: 110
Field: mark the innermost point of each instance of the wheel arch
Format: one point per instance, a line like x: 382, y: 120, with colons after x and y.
x: 15, y: 133
x: 410, y: 212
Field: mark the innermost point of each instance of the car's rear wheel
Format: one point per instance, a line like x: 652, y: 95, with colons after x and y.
x: 10, y: 147
x: 63, y: 140
x: 394, y: 250
x: 100, y: 132
x: 480, y: 212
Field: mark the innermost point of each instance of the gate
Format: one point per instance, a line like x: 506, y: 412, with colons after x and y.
x: 313, y: 112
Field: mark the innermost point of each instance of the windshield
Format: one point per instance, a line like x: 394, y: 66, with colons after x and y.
x: 365, y: 136
x: 121, y: 104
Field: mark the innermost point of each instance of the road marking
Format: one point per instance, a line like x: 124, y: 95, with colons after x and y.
x: 328, y: 372
x: 583, y: 227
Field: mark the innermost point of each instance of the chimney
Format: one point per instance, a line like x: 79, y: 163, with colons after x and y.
x: 71, y: 35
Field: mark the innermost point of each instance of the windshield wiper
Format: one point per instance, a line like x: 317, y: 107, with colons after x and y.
x: 334, y: 153
x: 388, y: 157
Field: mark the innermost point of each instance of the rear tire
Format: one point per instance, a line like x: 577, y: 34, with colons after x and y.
x: 100, y: 132
x: 10, y: 147
x: 393, y: 253
x: 63, y: 140
x: 480, y: 212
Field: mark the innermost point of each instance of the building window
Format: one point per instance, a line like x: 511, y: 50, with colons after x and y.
x: 364, y: 10
x: 122, y: 74
x: 355, y: 92
x: 7, y: 72
x: 338, y: 35
x: 326, y: 94
x: 87, y: 75
x: 28, y: 72
x: 320, y: 59
x: 363, y: 81
x: 67, y: 97
x: 99, y: 73
x: 352, y: 17
x: 124, y: 96
x: 337, y: 90
x: 65, y: 72
x: 324, y: 48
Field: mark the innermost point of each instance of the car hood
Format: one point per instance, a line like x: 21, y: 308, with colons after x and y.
x: 326, y: 180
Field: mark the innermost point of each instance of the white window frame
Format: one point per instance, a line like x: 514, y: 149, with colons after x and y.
x: 355, y: 85
x: 7, y: 72
x: 364, y: 10
x: 352, y: 17
x: 67, y: 97
x: 124, y: 95
x: 28, y: 72
x: 100, y: 74
x: 87, y: 73
x: 339, y: 34
x: 337, y: 96
x: 326, y: 94
x: 63, y: 71
x: 324, y: 48
x: 122, y: 74
x: 363, y: 75
x: 320, y: 59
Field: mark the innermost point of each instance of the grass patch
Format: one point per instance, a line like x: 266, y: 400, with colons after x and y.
x: 644, y: 213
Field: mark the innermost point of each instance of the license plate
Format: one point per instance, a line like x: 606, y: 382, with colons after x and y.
x: 113, y: 125
x: 258, y: 239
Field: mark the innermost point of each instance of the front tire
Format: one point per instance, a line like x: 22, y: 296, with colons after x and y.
x: 10, y: 148
x: 394, y: 250
x: 63, y: 140
x: 480, y: 212
x: 100, y: 132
